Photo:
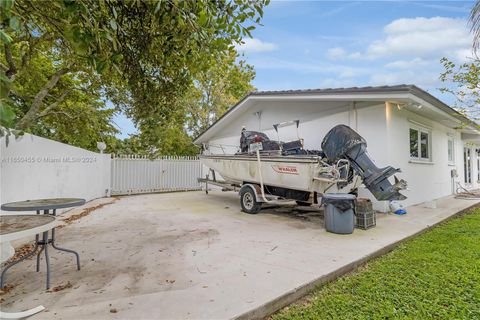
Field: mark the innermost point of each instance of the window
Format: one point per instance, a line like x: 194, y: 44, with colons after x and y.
x: 451, y: 150
x: 419, y: 144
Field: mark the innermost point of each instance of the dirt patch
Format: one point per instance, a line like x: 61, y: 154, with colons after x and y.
x: 60, y: 287
x: 305, y: 214
x: 22, y: 252
x: 7, y: 288
x: 84, y: 213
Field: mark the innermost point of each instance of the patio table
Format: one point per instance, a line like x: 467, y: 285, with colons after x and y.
x: 44, y: 205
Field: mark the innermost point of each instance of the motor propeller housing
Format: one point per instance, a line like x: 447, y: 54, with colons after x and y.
x: 342, y: 142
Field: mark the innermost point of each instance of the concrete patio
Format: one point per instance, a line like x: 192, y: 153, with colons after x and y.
x: 196, y: 256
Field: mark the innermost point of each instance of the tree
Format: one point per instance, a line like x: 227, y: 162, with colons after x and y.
x: 73, y: 111
x: 212, y: 92
x: 465, y: 79
x: 215, y: 90
x: 143, y: 54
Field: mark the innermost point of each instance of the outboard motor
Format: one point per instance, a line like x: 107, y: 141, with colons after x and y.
x: 342, y: 142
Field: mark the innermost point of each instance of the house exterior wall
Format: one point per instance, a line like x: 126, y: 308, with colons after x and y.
x: 33, y: 168
x: 427, y: 180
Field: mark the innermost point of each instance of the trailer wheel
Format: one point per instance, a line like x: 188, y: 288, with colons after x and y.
x: 249, y: 202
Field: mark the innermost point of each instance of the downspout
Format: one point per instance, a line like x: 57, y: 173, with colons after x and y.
x: 353, y: 123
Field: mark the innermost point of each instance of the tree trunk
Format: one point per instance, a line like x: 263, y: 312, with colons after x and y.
x: 32, y: 114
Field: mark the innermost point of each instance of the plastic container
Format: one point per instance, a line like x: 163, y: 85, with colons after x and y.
x: 339, y: 212
x: 365, y: 215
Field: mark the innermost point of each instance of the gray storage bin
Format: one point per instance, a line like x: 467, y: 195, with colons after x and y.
x: 339, y: 212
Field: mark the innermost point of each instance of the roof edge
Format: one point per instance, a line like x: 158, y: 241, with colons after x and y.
x: 402, y: 88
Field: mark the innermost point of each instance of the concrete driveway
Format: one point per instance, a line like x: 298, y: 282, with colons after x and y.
x: 196, y: 256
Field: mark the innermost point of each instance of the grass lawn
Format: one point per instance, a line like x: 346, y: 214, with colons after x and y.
x: 434, y: 276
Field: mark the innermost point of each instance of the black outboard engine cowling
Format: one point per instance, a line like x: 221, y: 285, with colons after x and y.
x: 342, y: 142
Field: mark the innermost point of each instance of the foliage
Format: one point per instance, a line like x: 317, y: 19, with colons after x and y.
x: 160, y: 141
x: 466, y: 81
x: 216, y: 89
x: 435, y: 276
x: 142, y: 54
x: 212, y: 92
x: 73, y: 111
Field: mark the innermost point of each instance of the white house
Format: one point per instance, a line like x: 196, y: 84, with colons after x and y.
x: 405, y: 127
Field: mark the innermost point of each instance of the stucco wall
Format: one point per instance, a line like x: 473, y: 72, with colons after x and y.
x: 33, y: 167
x: 426, y: 180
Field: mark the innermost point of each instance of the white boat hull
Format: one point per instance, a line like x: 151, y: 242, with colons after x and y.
x: 291, y: 172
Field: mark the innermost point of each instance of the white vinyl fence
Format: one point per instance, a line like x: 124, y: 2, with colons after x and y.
x: 132, y: 174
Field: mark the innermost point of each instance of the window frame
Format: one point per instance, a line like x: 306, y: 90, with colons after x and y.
x: 452, y: 140
x: 419, y: 131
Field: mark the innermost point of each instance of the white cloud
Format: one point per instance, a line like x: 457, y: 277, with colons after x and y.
x: 355, y: 55
x: 338, y: 83
x: 309, y: 67
x: 336, y: 53
x: 424, y: 38
x: 255, y: 45
x: 423, y: 78
x: 339, y: 53
x: 409, y: 52
x: 407, y: 64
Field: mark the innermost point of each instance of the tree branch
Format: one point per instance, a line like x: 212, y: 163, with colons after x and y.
x: 31, y: 115
x: 12, y: 68
x: 57, y: 112
x: 53, y: 105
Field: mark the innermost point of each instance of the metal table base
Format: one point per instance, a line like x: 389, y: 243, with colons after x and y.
x: 43, y: 243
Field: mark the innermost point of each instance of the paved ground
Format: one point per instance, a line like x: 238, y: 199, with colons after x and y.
x: 190, y: 256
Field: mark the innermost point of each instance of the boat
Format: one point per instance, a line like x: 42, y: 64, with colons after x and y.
x: 270, y: 171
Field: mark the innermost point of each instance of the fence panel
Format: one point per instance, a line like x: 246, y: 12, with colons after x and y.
x: 133, y: 174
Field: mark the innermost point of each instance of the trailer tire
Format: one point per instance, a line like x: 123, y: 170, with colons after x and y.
x: 248, y: 201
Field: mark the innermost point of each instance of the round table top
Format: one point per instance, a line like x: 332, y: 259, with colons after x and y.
x: 42, y: 204
x: 14, y: 227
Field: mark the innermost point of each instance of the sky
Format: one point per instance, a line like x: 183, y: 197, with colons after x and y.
x: 331, y: 44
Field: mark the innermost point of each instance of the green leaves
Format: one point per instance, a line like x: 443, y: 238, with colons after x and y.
x: 113, y: 24
x: 7, y: 4
x: 463, y: 82
x: 143, y: 55
x: 4, y: 37
x: 202, y: 18
x: 14, y: 23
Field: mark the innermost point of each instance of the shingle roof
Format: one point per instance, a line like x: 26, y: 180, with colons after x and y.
x: 379, y: 89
